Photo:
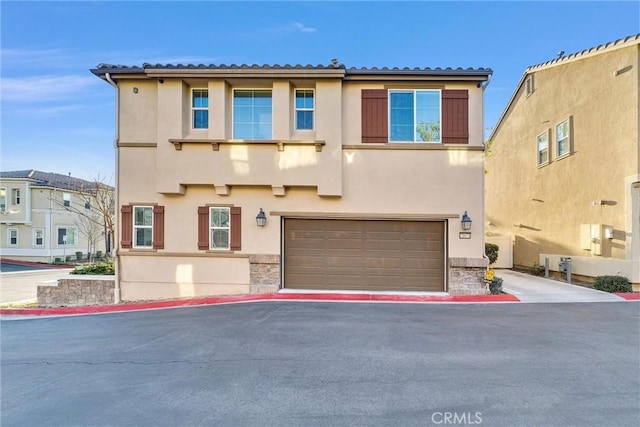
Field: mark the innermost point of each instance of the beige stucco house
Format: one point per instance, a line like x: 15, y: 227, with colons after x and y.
x: 564, y: 165
x: 251, y: 179
x: 46, y: 216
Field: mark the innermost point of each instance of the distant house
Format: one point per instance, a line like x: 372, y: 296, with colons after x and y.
x: 47, y: 216
x: 255, y: 178
x: 564, y: 168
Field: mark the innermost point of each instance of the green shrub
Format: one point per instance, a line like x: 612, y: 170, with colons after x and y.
x: 612, y: 284
x: 537, y: 269
x: 103, y: 268
x: 491, y: 250
x: 495, y: 286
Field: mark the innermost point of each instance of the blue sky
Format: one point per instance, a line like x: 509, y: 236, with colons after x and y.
x: 58, y: 117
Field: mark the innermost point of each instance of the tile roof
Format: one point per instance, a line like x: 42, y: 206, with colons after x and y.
x: 50, y: 179
x: 335, y: 65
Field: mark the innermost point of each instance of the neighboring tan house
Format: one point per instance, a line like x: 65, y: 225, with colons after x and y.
x: 44, y: 216
x: 564, y: 164
x: 362, y: 176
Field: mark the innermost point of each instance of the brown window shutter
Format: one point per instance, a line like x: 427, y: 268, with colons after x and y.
x: 203, y: 227
x: 158, y: 227
x: 455, y: 116
x: 236, y: 228
x: 126, y: 233
x: 375, y: 121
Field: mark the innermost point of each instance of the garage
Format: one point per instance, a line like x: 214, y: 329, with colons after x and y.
x: 371, y: 255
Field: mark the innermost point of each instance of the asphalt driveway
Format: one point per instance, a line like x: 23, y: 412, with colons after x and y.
x: 327, y: 364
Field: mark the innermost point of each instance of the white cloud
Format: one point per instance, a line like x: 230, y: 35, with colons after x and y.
x: 300, y: 27
x: 45, y: 112
x: 45, y: 88
x: 33, y: 57
x: 294, y: 27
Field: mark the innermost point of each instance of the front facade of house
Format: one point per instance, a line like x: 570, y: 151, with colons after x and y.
x: 363, y: 176
x: 44, y: 217
x: 564, y: 165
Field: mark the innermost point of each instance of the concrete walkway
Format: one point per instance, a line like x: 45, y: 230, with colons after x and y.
x: 528, y: 288
x: 22, y: 287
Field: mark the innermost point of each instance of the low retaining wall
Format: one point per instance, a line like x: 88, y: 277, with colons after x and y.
x: 76, y: 291
x: 466, y: 276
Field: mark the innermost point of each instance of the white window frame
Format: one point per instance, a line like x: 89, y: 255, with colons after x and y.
x: 528, y: 84
x: 35, y: 238
x: 66, y: 199
x: 9, y: 232
x: 212, y: 228
x: 415, y: 124
x: 67, y: 228
x: 233, y: 101
x: 296, y: 109
x: 135, y: 227
x: 544, y: 134
x: 194, y: 109
x: 567, y: 138
x: 15, y: 196
x: 3, y: 199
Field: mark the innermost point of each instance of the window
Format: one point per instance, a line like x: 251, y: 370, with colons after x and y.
x: 3, y: 199
x: 15, y: 196
x: 143, y: 226
x: 66, y: 199
x: 67, y: 236
x: 220, y: 228
x: 87, y: 203
x: 414, y: 116
x: 543, y: 148
x: 12, y: 237
x: 528, y: 83
x: 305, y: 105
x: 38, y: 237
x: 563, y: 138
x: 252, y: 114
x: 200, y: 108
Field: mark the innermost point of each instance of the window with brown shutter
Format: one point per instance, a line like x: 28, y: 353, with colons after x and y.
x: 374, y: 115
x: 158, y: 227
x: 455, y: 116
x: 126, y: 216
x: 220, y: 228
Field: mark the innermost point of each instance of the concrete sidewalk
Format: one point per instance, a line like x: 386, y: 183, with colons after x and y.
x: 22, y: 287
x: 528, y: 288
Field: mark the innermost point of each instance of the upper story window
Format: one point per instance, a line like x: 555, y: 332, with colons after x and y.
x: 252, y: 114
x: 543, y: 148
x: 87, y: 203
x: 563, y: 138
x: 66, y: 199
x: 528, y: 84
x: 143, y: 226
x: 67, y: 236
x: 15, y: 196
x: 414, y: 116
x: 200, y: 108
x: 305, y: 105
x: 3, y: 199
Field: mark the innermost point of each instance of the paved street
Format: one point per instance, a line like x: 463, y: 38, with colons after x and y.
x: 328, y: 364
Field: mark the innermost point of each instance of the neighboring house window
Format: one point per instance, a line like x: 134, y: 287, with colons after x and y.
x: 3, y: 199
x: 143, y: 226
x: 66, y: 199
x: 87, y: 203
x: 12, y: 237
x: 528, y: 84
x: 38, y: 237
x: 67, y: 236
x: 252, y: 114
x: 563, y: 138
x: 414, y: 116
x: 543, y: 148
x: 305, y: 105
x: 200, y: 108
x: 15, y: 196
x: 219, y: 228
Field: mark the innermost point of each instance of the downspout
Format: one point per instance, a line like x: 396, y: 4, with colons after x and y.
x: 116, y: 248
x: 484, y: 87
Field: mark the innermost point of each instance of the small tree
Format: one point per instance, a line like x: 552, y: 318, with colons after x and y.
x: 90, y: 227
x: 491, y: 250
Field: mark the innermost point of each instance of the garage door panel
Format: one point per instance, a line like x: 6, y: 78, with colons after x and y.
x: 364, y: 255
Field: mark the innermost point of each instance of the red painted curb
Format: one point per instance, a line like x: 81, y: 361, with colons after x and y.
x: 36, y: 264
x: 629, y: 296
x: 248, y: 298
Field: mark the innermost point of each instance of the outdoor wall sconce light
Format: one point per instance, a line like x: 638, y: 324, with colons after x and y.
x: 261, y: 218
x: 466, y: 221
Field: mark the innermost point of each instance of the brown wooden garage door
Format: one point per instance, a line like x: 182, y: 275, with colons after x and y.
x: 336, y: 254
